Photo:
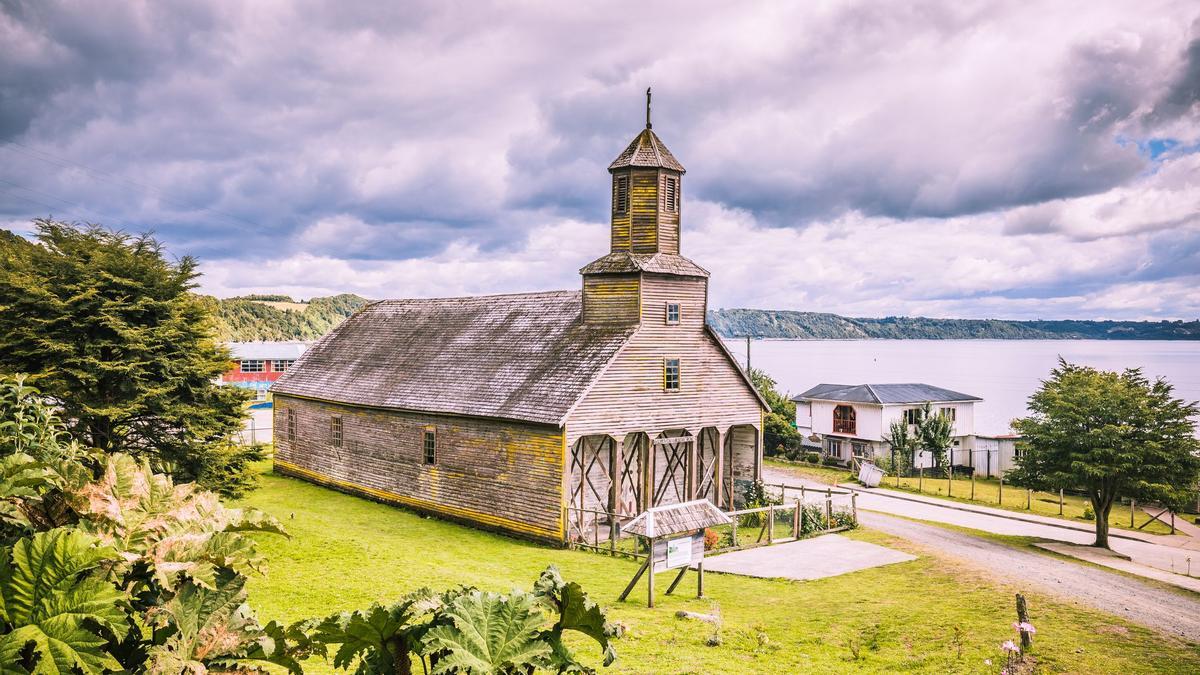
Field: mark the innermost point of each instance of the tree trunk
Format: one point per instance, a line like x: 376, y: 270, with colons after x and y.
x: 1101, y: 507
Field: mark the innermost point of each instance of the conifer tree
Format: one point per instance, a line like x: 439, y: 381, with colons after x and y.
x: 109, y: 329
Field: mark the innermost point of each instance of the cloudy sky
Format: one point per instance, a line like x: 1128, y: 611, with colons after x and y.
x: 1016, y: 160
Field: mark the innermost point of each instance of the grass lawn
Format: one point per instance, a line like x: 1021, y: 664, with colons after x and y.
x: 824, y: 474
x: 987, y: 493
x: 928, y: 615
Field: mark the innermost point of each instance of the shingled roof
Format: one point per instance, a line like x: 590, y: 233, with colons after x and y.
x: 522, y: 357
x: 663, y: 263
x: 647, y: 150
x: 914, y: 392
x: 664, y: 521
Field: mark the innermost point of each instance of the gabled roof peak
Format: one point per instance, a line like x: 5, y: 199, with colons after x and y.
x: 647, y: 151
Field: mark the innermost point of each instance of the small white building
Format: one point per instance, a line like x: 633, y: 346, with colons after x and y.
x: 855, y: 420
x: 993, y: 455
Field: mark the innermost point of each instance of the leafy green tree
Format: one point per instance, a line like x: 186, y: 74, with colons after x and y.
x: 904, y: 443
x: 935, y: 433
x: 110, y: 331
x: 779, y: 425
x: 1111, y: 434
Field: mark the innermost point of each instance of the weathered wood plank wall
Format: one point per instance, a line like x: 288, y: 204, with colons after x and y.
x: 629, y: 396
x: 502, y: 475
x: 643, y: 205
x: 611, y: 299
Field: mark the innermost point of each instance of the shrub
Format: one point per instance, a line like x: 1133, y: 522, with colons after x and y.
x: 813, y: 458
x: 830, y: 460
x: 1088, y: 513
x: 711, y: 539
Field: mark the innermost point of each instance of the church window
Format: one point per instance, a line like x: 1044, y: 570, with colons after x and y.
x: 335, y: 431
x: 671, y: 374
x: 430, y: 446
x: 672, y: 313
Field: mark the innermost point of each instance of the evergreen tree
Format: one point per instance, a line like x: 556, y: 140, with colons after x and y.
x: 108, y: 328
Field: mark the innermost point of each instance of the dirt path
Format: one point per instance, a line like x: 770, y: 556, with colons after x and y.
x: 1169, y: 612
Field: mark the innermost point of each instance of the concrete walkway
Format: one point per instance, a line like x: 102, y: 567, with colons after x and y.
x: 1165, y: 553
x: 1117, y: 561
x: 807, y: 559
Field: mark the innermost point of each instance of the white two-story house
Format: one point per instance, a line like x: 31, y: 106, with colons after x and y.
x: 855, y: 420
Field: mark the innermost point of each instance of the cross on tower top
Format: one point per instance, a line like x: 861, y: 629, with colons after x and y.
x: 648, y: 126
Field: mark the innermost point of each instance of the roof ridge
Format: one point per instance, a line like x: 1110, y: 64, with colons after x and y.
x: 478, y: 297
x: 873, y: 394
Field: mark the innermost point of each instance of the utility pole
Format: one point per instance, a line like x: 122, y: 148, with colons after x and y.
x: 747, y: 354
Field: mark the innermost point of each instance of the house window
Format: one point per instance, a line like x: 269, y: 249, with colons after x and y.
x: 672, y: 312
x: 430, y: 446
x: 671, y: 374
x: 260, y: 394
x: 281, y: 365
x: 835, y: 448
x: 252, y: 366
x: 620, y: 194
x: 335, y: 431
x: 844, y: 420
x: 912, y: 416
x: 858, y: 449
x: 951, y: 413
x: 671, y: 194
x: 291, y: 425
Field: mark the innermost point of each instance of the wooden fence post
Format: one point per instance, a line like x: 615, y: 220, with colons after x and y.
x: 1132, y: 505
x: 1023, y: 617
x: 770, y: 523
x: 1060, y: 501
x: 828, y: 510
x: 1028, y: 499
x: 854, y: 505
x: 950, y: 480
x: 972, y: 485
x: 1000, y: 499
x: 796, y: 515
x: 921, y: 479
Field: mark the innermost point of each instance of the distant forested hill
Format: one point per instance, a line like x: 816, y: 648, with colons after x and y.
x: 763, y: 323
x: 279, y: 317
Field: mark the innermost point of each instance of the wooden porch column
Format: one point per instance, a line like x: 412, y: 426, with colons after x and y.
x: 691, y: 473
x: 646, y: 461
x: 719, y: 469
x: 616, y: 473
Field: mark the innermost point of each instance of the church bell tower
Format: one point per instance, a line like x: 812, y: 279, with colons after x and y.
x: 646, y: 190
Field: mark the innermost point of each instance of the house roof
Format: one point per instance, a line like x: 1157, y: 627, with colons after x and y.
x: 914, y: 392
x: 664, y: 521
x: 524, y: 357
x: 268, y: 350
x: 661, y: 263
x: 647, y: 150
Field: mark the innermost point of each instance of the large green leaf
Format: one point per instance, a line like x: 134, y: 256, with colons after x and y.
x: 575, y: 612
x: 52, y: 596
x: 176, y: 531
x: 207, y: 625
x: 489, y: 633
x: 379, y: 638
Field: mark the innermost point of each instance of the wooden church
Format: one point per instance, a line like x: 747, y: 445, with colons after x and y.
x: 515, y: 412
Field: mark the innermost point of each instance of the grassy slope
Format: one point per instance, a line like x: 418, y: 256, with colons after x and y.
x: 987, y: 493
x: 346, y: 552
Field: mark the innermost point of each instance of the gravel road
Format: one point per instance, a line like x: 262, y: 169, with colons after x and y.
x: 1169, y: 612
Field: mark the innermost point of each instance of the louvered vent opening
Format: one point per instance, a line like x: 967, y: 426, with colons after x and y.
x: 671, y: 194
x: 621, y: 194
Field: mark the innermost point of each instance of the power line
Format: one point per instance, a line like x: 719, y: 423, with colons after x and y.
x: 113, y: 179
x: 102, y: 217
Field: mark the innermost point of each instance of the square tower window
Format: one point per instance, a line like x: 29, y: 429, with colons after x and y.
x: 671, y: 194
x: 672, y: 313
x: 671, y: 374
x: 430, y: 446
x: 620, y: 194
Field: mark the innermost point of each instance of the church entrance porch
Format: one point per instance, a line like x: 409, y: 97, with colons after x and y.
x: 615, y: 478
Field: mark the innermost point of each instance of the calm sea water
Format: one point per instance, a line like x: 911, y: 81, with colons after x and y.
x: 1002, y: 372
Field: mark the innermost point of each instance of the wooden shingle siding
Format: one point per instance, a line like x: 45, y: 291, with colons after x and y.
x: 643, y: 209
x: 629, y: 395
x: 611, y: 299
x: 503, y: 475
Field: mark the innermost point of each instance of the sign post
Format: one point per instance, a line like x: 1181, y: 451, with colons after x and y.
x: 675, y: 535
